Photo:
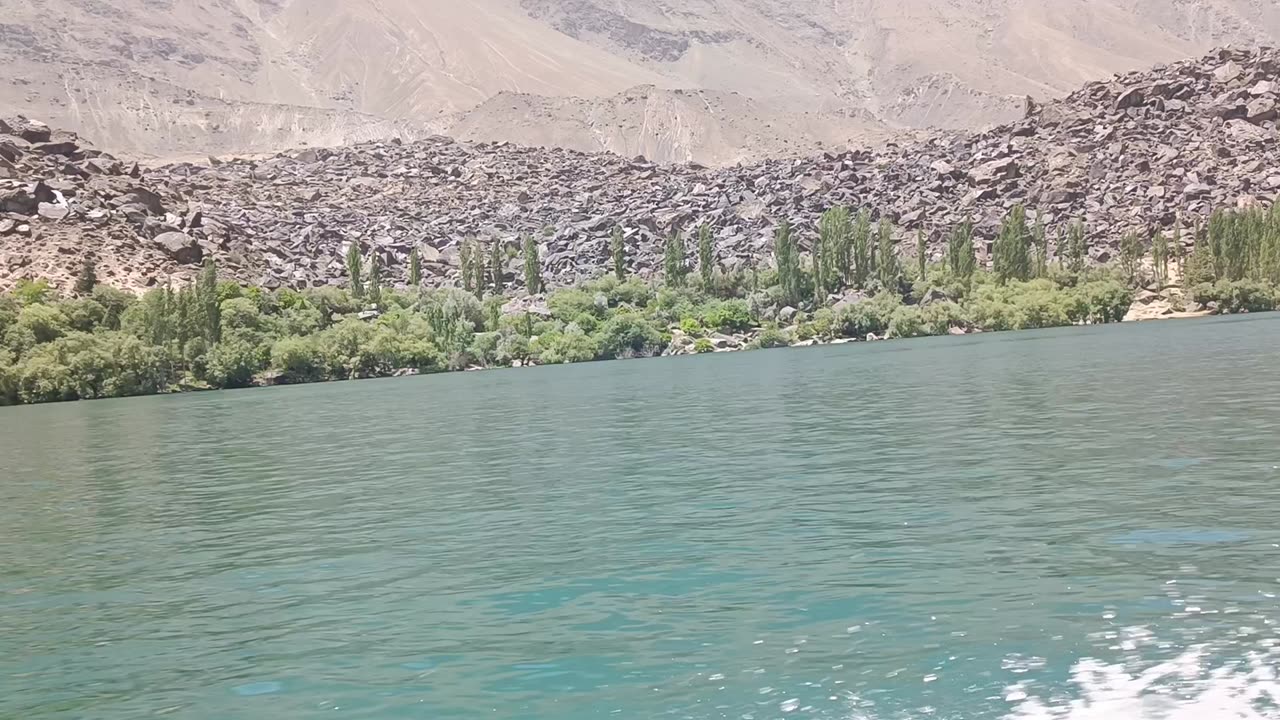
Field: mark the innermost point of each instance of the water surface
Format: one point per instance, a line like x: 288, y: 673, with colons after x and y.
x: 1013, y: 525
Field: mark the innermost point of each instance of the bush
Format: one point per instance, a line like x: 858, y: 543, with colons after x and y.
x: 114, y: 302
x: 570, y: 346
x: 770, y: 337
x: 235, y: 361
x: 867, y: 317
x: 1238, y: 296
x: 8, y: 378
x: 240, y: 313
x: 83, y: 314
x: 42, y: 379
x: 937, y: 318
x: 702, y: 345
x: 633, y: 291
x: 629, y: 335
x: 691, y: 327
x: 906, y: 322
x: 298, y: 360
x: 728, y: 316
x: 567, y: 305
x: 43, y: 323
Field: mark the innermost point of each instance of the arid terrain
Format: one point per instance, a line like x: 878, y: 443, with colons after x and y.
x: 715, y: 82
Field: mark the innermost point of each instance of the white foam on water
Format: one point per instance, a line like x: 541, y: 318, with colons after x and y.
x: 1185, y: 688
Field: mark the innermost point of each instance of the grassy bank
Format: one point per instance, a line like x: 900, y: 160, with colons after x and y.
x: 101, y: 342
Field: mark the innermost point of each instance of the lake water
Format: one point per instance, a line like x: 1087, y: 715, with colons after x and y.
x: 1078, y: 523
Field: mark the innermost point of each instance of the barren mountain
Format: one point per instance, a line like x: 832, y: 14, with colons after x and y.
x: 1136, y: 153
x: 179, y: 77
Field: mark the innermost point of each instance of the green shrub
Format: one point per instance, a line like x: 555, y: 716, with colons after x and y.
x: 568, y: 304
x: 569, y: 346
x: 1238, y: 296
x: 770, y: 337
x: 628, y: 335
x: 937, y: 318
x: 298, y: 360
x: 235, y: 361
x: 702, y: 345
x: 42, y: 379
x: 728, y: 316
x: 869, y: 316
x: 906, y: 322
x: 83, y: 314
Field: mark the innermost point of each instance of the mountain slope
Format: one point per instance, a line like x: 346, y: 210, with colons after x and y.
x: 173, y: 77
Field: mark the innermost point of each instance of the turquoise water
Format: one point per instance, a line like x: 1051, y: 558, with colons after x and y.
x: 1010, y: 525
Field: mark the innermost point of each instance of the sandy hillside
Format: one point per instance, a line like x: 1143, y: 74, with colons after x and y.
x: 175, y: 77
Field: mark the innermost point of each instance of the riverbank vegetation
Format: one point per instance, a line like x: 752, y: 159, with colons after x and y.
x: 843, y: 280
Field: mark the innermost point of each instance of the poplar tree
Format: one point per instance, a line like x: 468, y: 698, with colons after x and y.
x: 619, y: 250
x: 532, y: 266
x: 673, y: 261
x: 375, y: 278
x: 1012, y: 261
x: 415, y: 268
x: 836, y: 231
x: 88, y: 277
x: 706, y: 262
x: 497, y: 269
x: 355, y: 270
x: 464, y: 264
x: 862, y: 251
x: 887, y: 269
x: 788, y: 262
x: 960, y: 254
x: 210, y: 307
x: 922, y: 254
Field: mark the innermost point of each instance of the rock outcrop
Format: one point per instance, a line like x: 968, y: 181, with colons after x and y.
x: 1135, y: 152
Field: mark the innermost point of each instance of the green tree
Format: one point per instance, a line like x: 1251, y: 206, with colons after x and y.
x: 464, y: 265
x: 532, y: 266
x: 673, y: 261
x: 210, y: 303
x: 1130, y: 255
x: 619, y: 251
x: 922, y: 254
x: 87, y: 280
x: 415, y: 268
x: 887, y: 268
x: 788, y: 261
x: 1012, y: 261
x: 497, y: 266
x: 706, y: 259
x: 355, y: 270
x: 375, y: 278
x: 836, y: 233
x: 1040, y: 237
x: 862, y: 251
x: 1077, y: 247
x: 1160, y: 256
x: 960, y: 254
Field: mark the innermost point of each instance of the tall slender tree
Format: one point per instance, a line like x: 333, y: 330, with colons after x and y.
x: 464, y: 264
x: 674, y: 267
x: 415, y: 268
x: 375, y: 278
x: 355, y: 270
x: 1160, y: 256
x: 922, y: 254
x: 210, y: 307
x: 862, y: 250
x: 788, y: 261
x: 618, y: 249
x: 836, y: 231
x: 1077, y: 247
x: 887, y: 268
x: 1040, y: 237
x: 497, y: 265
x: 87, y: 280
x: 532, y: 266
x: 1012, y: 260
x: 706, y: 258
x: 960, y: 253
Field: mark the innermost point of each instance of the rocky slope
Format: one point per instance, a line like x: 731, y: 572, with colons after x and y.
x: 1130, y: 153
x: 169, y: 78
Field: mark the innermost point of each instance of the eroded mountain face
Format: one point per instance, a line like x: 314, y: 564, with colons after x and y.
x: 176, y: 78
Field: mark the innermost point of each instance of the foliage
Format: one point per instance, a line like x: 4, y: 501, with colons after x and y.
x: 355, y: 271
x: 618, y: 254
x: 375, y: 278
x: 728, y: 316
x: 532, y: 266
x: 706, y: 257
x: 771, y: 337
x: 415, y: 268
x: 628, y: 334
x: 87, y: 280
x: 960, y: 254
x: 1077, y: 250
x: 1011, y: 259
x: 922, y: 254
x: 1130, y: 255
x: 787, y: 258
x: 702, y: 346
x: 863, y: 255
x: 674, y: 265
x: 1237, y: 296
x: 887, y: 269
